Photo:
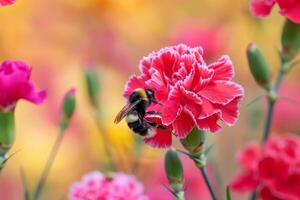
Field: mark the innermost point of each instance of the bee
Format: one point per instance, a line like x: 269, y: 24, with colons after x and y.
x: 135, y: 110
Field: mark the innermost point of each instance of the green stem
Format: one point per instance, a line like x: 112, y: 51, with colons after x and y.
x: 208, y: 183
x: 105, y: 141
x: 253, y: 195
x: 48, y: 165
x: 267, y: 128
x: 271, y: 106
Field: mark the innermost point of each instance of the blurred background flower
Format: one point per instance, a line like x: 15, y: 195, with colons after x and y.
x: 272, y: 170
x: 95, y: 185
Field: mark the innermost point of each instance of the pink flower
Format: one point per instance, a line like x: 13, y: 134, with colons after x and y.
x: 274, y: 169
x: 193, y: 94
x: 288, y: 8
x: 95, y: 186
x: 15, y: 84
x: 6, y: 2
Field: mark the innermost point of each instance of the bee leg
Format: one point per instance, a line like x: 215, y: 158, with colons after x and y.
x: 152, y: 112
x: 156, y: 125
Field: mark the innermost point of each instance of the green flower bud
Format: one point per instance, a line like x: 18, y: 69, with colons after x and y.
x: 69, y: 104
x: 194, y: 142
x: 174, y: 170
x: 7, y: 132
x: 92, y: 83
x: 290, y: 40
x: 259, y: 67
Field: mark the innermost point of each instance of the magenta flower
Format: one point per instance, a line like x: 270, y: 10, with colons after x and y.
x: 193, y: 93
x: 15, y: 84
x: 288, y: 8
x: 95, y: 186
x: 6, y: 2
x: 274, y: 169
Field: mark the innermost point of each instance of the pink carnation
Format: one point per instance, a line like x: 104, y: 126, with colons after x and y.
x: 6, y: 2
x: 274, y: 169
x: 15, y: 84
x: 288, y: 8
x: 193, y: 94
x: 95, y: 186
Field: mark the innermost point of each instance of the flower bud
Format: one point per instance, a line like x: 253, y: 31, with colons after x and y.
x: 290, y: 40
x: 69, y: 104
x: 259, y: 67
x: 174, y: 170
x: 92, y: 83
x: 194, y: 142
x: 7, y: 132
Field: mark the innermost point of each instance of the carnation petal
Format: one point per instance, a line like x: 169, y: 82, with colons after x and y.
x: 15, y: 81
x: 244, y: 182
x: 161, y: 139
x: 222, y: 92
x: 6, y: 2
x: 223, y: 69
x: 183, y: 124
x: 290, y: 188
x: 248, y: 156
x: 190, y: 100
x: 27, y: 91
x: 261, y: 8
x: 266, y: 194
x: 272, y: 168
x: 209, y: 123
x: 230, y: 112
x: 133, y: 83
x: 293, y: 13
x: 158, y: 84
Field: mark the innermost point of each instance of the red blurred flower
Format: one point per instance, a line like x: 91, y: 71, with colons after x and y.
x: 6, y: 2
x: 196, y: 187
x: 94, y: 186
x: 209, y: 36
x: 287, y: 111
x: 192, y: 92
x: 274, y: 169
x: 288, y: 8
x: 15, y: 84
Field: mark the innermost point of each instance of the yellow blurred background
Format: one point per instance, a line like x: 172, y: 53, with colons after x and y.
x: 59, y: 37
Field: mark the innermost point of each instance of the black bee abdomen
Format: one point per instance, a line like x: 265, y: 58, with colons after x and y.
x: 141, y: 130
x: 133, y: 125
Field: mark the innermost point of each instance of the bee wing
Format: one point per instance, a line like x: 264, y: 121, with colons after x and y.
x: 124, y: 111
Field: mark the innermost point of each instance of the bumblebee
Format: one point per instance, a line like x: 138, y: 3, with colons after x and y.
x: 135, y: 111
